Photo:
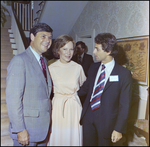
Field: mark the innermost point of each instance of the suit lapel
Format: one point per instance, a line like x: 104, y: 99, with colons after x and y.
x: 83, y: 59
x: 114, y: 72
x: 48, y: 78
x: 36, y: 67
x: 92, y: 81
x: 95, y: 70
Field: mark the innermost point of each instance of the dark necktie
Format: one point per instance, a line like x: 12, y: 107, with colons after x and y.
x: 79, y: 59
x: 43, y: 67
x: 96, y: 98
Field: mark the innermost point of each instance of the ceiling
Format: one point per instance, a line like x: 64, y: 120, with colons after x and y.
x: 62, y: 15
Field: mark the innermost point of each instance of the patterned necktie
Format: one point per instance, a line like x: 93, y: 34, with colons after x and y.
x: 95, y: 101
x: 43, y: 67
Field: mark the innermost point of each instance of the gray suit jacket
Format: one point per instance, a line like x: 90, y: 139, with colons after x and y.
x: 28, y: 97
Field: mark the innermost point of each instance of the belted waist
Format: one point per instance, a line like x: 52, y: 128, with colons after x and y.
x: 65, y: 98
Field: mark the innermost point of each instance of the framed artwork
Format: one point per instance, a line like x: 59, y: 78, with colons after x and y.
x: 137, y: 52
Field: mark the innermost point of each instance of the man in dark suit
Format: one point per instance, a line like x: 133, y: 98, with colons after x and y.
x: 105, y: 114
x: 82, y: 57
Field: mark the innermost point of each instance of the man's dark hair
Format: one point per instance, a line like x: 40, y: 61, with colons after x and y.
x: 40, y: 27
x: 83, y: 45
x: 108, y: 42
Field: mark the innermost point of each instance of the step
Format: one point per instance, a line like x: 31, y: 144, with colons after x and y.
x: 5, y: 35
x: 4, y: 30
x: 4, y: 126
x: 10, y: 30
x: 7, y: 51
x: 3, y: 73
x: 11, y: 35
x: 5, y: 42
x: 6, y: 57
x: 3, y: 82
x: 5, y: 39
x: 3, y: 107
x: 4, y: 115
x: 3, y: 94
x: 12, y: 40
x: 6, y: 46
x: 4, y: 64
x: 6, y: 140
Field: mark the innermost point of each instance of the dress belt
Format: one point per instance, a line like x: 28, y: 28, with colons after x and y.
x: 65, y: 98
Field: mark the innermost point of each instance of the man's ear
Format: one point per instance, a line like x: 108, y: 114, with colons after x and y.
x: 32, y: 37
x: 108, y: 53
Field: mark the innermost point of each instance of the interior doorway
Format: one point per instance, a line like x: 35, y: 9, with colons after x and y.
x: 88, y: 38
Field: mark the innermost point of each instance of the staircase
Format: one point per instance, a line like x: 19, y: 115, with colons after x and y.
x: 6, y: 56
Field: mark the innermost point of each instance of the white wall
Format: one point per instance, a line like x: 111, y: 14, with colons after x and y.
x: 121, y: 18
x: 17, y: 36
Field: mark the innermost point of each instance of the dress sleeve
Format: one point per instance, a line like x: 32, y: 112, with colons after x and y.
x: 82, y: 77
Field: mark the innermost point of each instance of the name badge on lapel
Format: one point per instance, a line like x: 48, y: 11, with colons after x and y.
x: 114, y: 78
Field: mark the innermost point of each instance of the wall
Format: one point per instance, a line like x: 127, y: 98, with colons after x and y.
x: 36, y: 7
x: 121, y: 18
x: 17, y: 36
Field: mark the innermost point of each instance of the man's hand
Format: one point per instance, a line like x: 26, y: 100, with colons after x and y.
x: 23, y: 137
x: 116, y: 136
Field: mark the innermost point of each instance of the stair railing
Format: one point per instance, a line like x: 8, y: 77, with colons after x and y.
x: 39, y: 12
x: 20, y: 10
x: 23, y: 13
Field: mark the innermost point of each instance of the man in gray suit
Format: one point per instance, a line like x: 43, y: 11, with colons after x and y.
x: 28, y: 91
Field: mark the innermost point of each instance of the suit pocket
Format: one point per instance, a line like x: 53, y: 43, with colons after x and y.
x: 31, y: 113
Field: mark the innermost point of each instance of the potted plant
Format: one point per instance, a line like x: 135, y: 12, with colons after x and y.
x: 3, y: 15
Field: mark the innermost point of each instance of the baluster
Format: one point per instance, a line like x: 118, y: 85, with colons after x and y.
x: 24, y: 16
x: 29, y: 15
x: 21, y: 13
x: 17, y: 10
x: 32, y: 7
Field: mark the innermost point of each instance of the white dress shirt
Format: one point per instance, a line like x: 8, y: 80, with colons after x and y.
x: 108, y: 69
x: 37, y: 56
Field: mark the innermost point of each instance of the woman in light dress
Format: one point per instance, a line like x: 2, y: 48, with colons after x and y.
x: 67, y: 77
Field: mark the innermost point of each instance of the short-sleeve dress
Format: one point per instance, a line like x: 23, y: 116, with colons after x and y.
x: 66, y: 105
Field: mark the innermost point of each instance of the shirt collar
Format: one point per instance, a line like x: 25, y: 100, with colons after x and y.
x: 35, y: 53
x: 110, y: 64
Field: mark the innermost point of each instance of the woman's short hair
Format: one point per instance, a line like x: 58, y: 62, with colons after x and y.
x: 108, y: 42
x: 61, y: 41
